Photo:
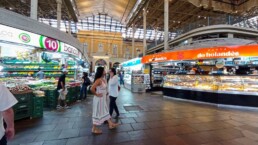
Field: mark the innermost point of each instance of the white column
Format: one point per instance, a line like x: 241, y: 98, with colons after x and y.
x: 34, y: 9
x: 59, y: 13
x: 117, y: 51
x: 69, y: 27
x: 166, y: 24
x: 92, y: 45
x: 144, y: 31
x: 133, y: 46
x: 155, y: 38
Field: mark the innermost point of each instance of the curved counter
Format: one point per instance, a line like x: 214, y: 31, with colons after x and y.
x: 225, y: 90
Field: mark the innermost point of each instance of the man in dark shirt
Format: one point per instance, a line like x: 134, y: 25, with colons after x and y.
x: 62, y: 90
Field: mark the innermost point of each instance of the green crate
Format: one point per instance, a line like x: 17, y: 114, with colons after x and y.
x: 37, y: 114
x: 23, y: 98
x: 19, y: 106
x: 38, y: 100
x: 22, y: 113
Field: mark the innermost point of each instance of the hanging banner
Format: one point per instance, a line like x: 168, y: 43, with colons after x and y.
x: 204, y: 53
x: 14, y: 35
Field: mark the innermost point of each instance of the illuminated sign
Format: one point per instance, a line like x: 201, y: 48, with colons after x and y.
x: 14, y: 35
x: 204, y: 53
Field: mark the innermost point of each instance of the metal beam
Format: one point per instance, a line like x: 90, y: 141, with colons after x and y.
x: 71, y: 10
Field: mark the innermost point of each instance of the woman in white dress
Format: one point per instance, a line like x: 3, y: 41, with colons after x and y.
x: 100, y: 107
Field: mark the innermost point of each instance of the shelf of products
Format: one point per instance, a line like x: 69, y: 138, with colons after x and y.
x: 25, y: 69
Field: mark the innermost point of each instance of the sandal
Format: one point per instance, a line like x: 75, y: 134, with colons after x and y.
x: 113, y: 126
x: 96, y: 131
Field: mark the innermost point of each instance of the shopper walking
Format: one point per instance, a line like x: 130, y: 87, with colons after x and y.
x: 62, y: 90
x: 113, y: 91
x: 7, y: 100
x: 85, y: 83
x: 100, y: 106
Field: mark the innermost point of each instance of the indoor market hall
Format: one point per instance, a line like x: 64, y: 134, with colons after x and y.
x: 128, y: 72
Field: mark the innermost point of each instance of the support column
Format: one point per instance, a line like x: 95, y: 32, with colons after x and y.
x: 155, y: 38
x: 92, y: 45
x: 69, y: 27
x: 144, y: 31
x: 133, y: 46
x: 59, y: 13
x: 34, y: 9
x: 166, y: 24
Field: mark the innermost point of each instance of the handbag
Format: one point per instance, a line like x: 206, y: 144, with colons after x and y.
x: 119, y: 88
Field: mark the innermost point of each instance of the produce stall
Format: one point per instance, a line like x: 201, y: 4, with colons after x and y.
x: 22, y: 55
x: 36, y: 95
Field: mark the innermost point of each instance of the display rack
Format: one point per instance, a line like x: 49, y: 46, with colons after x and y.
x: 229, y: 90
x: 138, y: 83
x: 24, y: 69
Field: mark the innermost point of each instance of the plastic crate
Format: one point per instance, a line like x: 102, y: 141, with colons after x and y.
x: 24, y: 98
x: 38, y: 100
x: 37, y: 113
x: 22, y: 113
x: 19, y: 106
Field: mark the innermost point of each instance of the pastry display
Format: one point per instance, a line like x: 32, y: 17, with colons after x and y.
x: 213, y: 83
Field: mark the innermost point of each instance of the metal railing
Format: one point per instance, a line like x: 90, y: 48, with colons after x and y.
x: 237, y: 21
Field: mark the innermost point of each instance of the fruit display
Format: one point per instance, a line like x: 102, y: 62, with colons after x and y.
x: 18, y: 88
x: 39, y: 93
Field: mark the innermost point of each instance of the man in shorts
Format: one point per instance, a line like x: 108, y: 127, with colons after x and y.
x: 61, y: 89
x: 7, y: 100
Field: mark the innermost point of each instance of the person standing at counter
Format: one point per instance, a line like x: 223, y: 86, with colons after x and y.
x: 62, y: 90
x: 40, y: 74
x: 85, y: 83
x: 121, y: 77
x: 7, y: 100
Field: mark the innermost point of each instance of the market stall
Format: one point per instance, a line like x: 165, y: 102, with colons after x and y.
x: 22, y: 55
x: 134, y: 78
x: 220, y: 75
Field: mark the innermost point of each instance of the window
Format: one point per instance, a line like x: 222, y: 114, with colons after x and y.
x: 100, y: 48
x: 114, y: 49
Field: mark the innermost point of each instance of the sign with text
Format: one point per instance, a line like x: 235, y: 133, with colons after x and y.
x: 204, y: 53
x: 14, y: 35
x: 132, y: 62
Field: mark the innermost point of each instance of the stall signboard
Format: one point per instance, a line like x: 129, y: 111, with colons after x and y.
x: 14, y: 35
x: 10, y: 34
x: 132, y: 62
x: 204, y: 53
x: 66, y: 48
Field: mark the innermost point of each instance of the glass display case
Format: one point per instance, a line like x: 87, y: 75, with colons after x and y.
x: 220, y: 84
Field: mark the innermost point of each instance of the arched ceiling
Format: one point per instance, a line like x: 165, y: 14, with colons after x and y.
x: 118, y: 9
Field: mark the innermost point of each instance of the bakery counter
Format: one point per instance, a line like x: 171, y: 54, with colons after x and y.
x: 226, y: 90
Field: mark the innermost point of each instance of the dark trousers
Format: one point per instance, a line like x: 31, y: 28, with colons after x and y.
x: 112, y: 106
x: 3, y: 141
x: 83, y: 92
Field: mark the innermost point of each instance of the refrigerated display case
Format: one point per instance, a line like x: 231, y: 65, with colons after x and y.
x: 229, y: 90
